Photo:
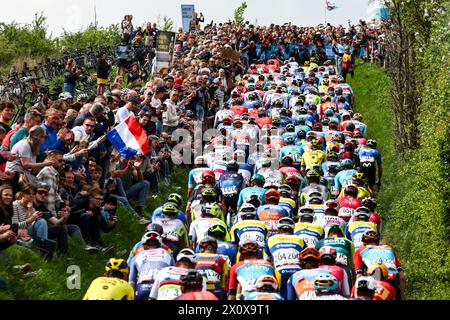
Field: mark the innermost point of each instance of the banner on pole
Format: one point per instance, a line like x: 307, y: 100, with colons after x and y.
x: 165, y: 41
x: 187, y: 15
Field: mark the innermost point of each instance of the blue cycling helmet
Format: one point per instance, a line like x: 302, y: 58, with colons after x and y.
x: 325, y: 283
x: 347, y: 163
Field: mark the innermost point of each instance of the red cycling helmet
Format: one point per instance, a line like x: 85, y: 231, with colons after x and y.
x: 208, y: 175
x: 310, y: 252
x: 272, y: 194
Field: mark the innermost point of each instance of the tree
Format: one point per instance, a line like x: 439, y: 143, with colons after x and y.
x: 239, y: 14
x: 166, y: 25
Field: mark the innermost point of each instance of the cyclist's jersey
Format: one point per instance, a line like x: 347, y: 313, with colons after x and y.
x: 273, y: 178
x: 167, y: 285
x: 262, y: 296
x: 325, y: 221
x: 199, y: 228
x: 311, y: 157
x: 245, y: 170
x: 368, y: 155
x: 362, y: 127
x: 247, y: 272
x: 373, y: 218
x: 240, y: 138
x: 219, y: 167
x: 326, y: 166
x: 344, y: 178
x: 231, y: 184
x: 247, y: 193
x: 239, y: 110
x: 284, y: 251
x: 294, y: 151
x: 270, y: 214
x: 305, y: 192
x: 362, y: 193
x: 195, y: 176
x: 286, y: 135
x: 290, y: 171
x: 197, y: 194
x: 289, y: 204
x: 355, y: 230
x: 365, y: 256
x: 222, y: 114
x: 228, y: 251
x: 384, y: 291
x: 138, y: 247
x: 347, y: 206
x: 252, y: 130
x: 344, y: 249
x: 196, y: 212
x: 215, y: 270
x: 174, y: 230
x: 341, y: 276
x: 146, y: 264
x: 108, y: 288
x: 158, y: 214
x: 249, y: 229
x: 310, y: 233
x: 300, y: 285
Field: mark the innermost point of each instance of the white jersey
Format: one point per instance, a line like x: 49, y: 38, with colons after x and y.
x: 146, y: 265
x: 199, y: 228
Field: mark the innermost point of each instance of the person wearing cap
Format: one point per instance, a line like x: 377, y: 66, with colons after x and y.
x: 167, y: 285
x: 145, y: 265
x: 283, y: 250
x: 306, y: 229
x: 213, y: 267
x: 132, y: 107
x: 243, y: 274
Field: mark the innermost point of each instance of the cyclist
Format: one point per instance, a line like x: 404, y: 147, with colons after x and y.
x: 306, y: 230
x: 245, y: 273
x: 195, y: 175
x: 167, y: 285
x: 271, y: 211
x: 175, y: 233
x: 249, y: 227
x: 287, y: 199
x: 245, y: 169
x: 283, y: 250
x: 314, y: 186
x: 301, y: 284
x: 328, y: 262
x: 230, y: 183
x: 113, y: 285
x: 349, y: 202
x: 209, y: 217
x: 344, y: 177
x: 372, y: 251
x: 370, y: 163
x: 225, y: 249
x: 266, y: 289
x: 313, y: 156
x: 330, y: 217
x: 208, y: 196
x: 213, y: 267
x: 177, y: 200
x: 355, y: 230
x: 288, y: 168
x: 293, y: 150
x: 359, y: 179
x: 256, y: 189
x: 192, y: 287
x: 384, y: 290
x: 146, y: 264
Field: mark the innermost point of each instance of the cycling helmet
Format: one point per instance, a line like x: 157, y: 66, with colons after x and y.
x: 357, y: 116
x: 285, y: 190
x: 208, y: 242
x: 301, y: 134
x: 362, y: 212
x: 232, y: 166
x: 306, y: 212
x: 290, y: 128
x: 351, y: 190
x: 258, y: 178
x: 169, y: 209
x: 276, y: 121
x: 208, y: 175
x: 359, y: 177
x: 65, y: 96
x: 293, y: 182
x: 83, y: 96
x: 227, y: 120
x: 200, y: 160
x: 217, y: 229
x: 378, y: 271
x: 247, y: 211
x: 347, y: 164
x: 287, y: 161
x: 151, y: 238
x: 332, y: 203
x: 326, y: 283
x: 370, y: 236
x: 117, y: 267
x: 370, y: 203
x: 328, y: 252
x: 312, y: 174
x: 267, y: 283
x: 192, y: 279
x: 248, y: 246
x: 272, y: 194
x: 187, y: 254
x: 310, y: 253
x: 316, y: 143
x: 155, y: 227
x: 366, y: 283
x: 237, y: 123
x: 372, y: 143
x: 211, y: 209
x: 289, y: 140
x: 285, y: 223
x: 175, y: 197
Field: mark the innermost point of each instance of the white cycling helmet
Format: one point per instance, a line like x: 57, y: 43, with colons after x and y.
x: 65, y: 95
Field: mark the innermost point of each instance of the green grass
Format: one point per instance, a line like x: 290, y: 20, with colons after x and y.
x: 51, y: 283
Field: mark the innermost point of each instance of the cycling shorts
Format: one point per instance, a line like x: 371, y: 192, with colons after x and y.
x: 369, y: 170
x: 143, y: 290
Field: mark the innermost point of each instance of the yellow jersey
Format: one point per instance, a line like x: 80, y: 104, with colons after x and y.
x: 311, y: 157
x: 109, y: 288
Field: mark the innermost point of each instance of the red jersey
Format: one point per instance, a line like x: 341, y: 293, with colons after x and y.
x: 384, y: 291
x: 290, y: 171
x: 327, y: 105
x: 239, y: 110
x: 266, y: 121
x: 341, y: 276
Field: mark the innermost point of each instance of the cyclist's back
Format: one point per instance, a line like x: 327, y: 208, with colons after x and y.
x: 108, y: 288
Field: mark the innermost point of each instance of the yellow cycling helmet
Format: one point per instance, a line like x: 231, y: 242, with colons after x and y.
x: 378, y: 271
x: 117, y: 267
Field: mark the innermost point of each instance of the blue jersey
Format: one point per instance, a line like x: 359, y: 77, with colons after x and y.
x: 369, y: 155
x: 195, y: 177
x: 146, y: 264
x: 247, y: 193
x: 307, y: 117
x: 295, y: 151
x: 288, y: 134
x: 158, y: 214
x: 231, y: 184
x: 246, y: 171
x: 262, y: 296
x: 344, y: 178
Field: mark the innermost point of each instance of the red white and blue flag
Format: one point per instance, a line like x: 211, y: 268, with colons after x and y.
x: 129, y: 138
x: 330, y: 4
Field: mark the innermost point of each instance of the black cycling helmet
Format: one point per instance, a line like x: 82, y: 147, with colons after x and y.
x: 208, y: 242
x: 217, y: 230
x: 155, y: 227
x: 285, y: 223
x: 233, y: 166
x: 192, y: 280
